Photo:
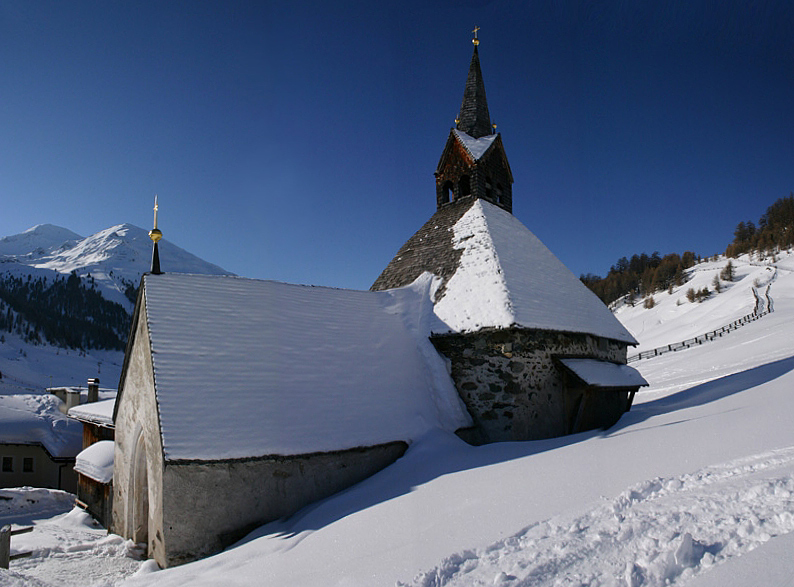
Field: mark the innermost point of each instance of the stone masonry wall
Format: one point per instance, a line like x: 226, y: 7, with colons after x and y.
x: 210, y: 504
x: 509, y: 382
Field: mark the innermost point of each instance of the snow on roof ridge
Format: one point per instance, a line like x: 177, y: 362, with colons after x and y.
x: 100, y: 412
x: 475, y: 147
x: 259, y: 279
x: 507, y: 277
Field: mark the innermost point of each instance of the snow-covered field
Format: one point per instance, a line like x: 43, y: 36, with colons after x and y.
x: 695, y: 486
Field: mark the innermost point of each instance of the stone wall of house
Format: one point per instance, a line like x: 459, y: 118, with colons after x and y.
x: 138, y: 455
x: 211, y: 504
x: 510, y: 384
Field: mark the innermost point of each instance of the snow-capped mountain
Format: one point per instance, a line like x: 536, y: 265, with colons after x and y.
x: 41, y: 240
x: 115, y: 257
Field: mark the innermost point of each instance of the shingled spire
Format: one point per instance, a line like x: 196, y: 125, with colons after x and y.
x: 474, y: 119
x: 473, y: 164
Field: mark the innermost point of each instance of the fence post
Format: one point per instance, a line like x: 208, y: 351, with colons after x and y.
x: 5, y: 546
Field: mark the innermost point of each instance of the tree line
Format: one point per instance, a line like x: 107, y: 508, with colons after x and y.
x: 644, y: 274
x: 775, y: 231
x: 66, y: 311
x: 641, y: 276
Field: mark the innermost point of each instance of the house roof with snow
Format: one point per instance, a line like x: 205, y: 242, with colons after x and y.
x: 96, y: 461
x: 603, y: 374
x: 497, y: 274
x: 99, y: 413
x: 248, y: 368
x: 36, y: 419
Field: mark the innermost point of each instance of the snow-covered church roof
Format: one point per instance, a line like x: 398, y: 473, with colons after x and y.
x: 507, y: 277
x: 497, y: 274
x: 247, y: 368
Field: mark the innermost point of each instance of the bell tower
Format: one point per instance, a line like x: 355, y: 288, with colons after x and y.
x: 474, y: 163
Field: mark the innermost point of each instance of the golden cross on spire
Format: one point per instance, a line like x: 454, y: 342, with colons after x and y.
x: 475, y: 40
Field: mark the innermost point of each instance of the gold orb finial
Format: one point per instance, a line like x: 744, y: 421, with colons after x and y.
x: 155, y: 233
x: 475, y: 40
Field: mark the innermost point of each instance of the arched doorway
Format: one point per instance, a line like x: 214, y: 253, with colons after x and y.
x: 138, y: 526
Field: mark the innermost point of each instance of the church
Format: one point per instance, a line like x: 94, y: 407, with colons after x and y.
x: 241, y: 400
x: 534, y: 353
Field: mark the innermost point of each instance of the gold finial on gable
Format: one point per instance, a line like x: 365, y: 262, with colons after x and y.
x: 475, y: 40
x: 155, y: 233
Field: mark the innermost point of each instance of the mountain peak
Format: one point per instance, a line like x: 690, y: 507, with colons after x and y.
x: 38, y: 240
x: 115, y: 257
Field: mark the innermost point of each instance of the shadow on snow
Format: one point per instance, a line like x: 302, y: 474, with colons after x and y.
x: 440, y: 453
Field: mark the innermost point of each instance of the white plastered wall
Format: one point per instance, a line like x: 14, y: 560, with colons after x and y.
x: 138, y: 425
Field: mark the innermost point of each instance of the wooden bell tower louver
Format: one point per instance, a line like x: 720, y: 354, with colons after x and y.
x: 474, y: 163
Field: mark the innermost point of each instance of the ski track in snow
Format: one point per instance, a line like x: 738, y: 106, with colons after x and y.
x: 662, y: 531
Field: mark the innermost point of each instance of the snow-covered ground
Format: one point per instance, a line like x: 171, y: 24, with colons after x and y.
x: 25, y: 368
x: 69, y: 549
x: 694, y: 486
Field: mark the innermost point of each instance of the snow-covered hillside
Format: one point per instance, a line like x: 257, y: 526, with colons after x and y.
x: 115, y: 257
x: 113, y: 261
x: 674, y: 318
x: 694, y: 485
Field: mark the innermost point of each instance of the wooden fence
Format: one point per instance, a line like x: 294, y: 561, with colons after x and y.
x: 763, y: 306
x: 5, y: 545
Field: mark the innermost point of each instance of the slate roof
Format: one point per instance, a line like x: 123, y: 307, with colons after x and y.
x: 497, y: 274
x: 249, y: 368
x: 430, y: 249
x: 474, y: 118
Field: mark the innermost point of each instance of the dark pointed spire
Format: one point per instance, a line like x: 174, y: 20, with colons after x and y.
x: 474, y: 119
x: 155, y: 235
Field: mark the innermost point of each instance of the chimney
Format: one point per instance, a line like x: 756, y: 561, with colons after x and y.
x: 59, y: 392
x: 93, y: 390
x: 72, y: 399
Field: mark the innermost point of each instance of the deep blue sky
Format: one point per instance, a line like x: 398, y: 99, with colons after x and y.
x: 297, y: 140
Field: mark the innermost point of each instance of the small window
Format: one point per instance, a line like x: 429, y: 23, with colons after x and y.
x: 27, y: 465
x: 464, y: 186
x: 498, y: 193
x: 447, y: 195
x: 8, y: 464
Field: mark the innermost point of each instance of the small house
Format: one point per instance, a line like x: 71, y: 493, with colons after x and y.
x: 94, y: 464
x: 38, y: 443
